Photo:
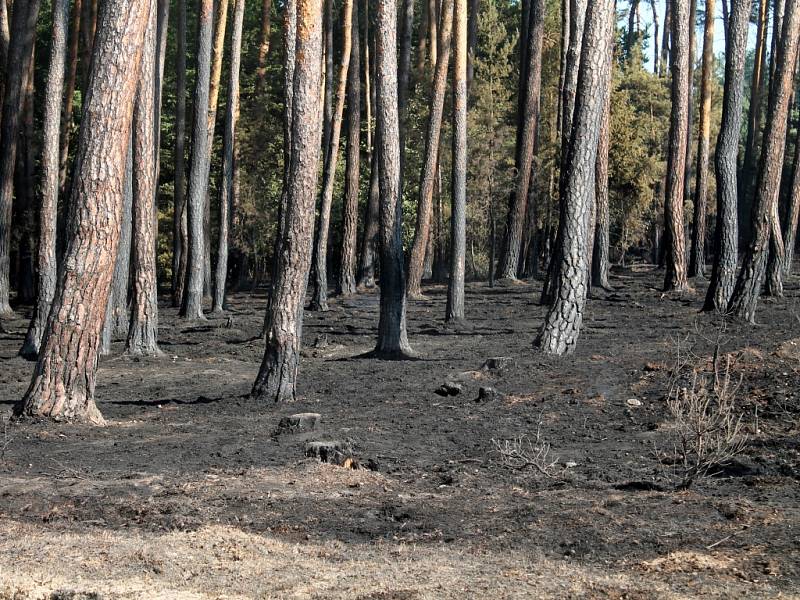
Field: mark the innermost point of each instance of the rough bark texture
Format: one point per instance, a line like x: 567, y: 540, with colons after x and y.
x: 48, y: 211
x: 757, y: 90
x: 562, y: 325
x: 392, y: 335
x: 676, y: 271
x: 422, y: 233
x: 143, y: 331
x: 179, y: 224
x: 347, y: 275
x: 23, y: 33
x: 198, y: 171
x: 748, y: 285
x: 528, y: 123
x: 226, y: 189
x: 458, y: 214
x: 263, y: 44
x: 600, y: 262
x: 726, y: 235
x: 69, y: 93
x: 319, y: 299
x: 697, y: 261
x: 277, y: 377
x: 63, y: 381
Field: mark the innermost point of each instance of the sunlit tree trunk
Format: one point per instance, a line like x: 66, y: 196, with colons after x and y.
x: 277, y: 378
x: 63, y: 381
x: 422, y: 233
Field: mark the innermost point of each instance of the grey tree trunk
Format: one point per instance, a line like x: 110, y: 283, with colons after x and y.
x: 559, y: 334
x: 179, y: 222
x: 277, y: 377
x: 726, y: 236
x: 600, y: 263
x: 48, y: 212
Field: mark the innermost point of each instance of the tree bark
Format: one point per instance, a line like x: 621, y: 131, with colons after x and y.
x: 665, y: 41
x: 199, y: 166
x: 392, y: 335
x: 143, y: 330
x: 319, y: 299
x: 600, y: 263
x: 748, y: 285
x: 63, y: 381
x: 697, y: 261
x: 263, y: 44
x: 347, y: 276
x: 48, y: 211
x: 528, y: 123
x: 23, y: 34
x: 559, y: 334
x: 422, y: 233
x: 458, y: 215
x: 726, y: 236
x: 179, y: 221
x: 226, y: 195
x: 676, y: 273
x: 277, y: 378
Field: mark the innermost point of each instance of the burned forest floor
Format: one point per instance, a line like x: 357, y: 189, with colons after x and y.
x: 559, y: 480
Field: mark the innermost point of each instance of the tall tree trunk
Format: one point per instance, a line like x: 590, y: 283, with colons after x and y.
x: 23, y: 34
x: 327, y: 80
x: 472, y: 39
x: 757, y: 90
x: 347, y: 276
x: 726, y: 236
x: 63, y: 381
x: 748, y: 286
x: 69, y: 95
x: 600, y: 263
x: 697, y: 260
x: 687, y: 175
x: 179, y: 221
x: 403, y: 77
x: 26, y: 196
x: 277, y: 378
x: 458, y: 215
x: 790, y: 225
x: 676, y: 272
x: 48, y: 211
x: 226, y: 194
x: 199, y: 166
x: 528, y: 124
x: 559, y: 334
x: 263, y: 44
x: 392, y: 334
x: 217, y: 53
x: 319, y: 299
x: 422, y: 233
x: 656, y: 54
x: 665, y: 41
x: 143, y: 331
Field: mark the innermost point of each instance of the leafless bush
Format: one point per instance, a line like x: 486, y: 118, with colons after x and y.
x: 708, y: 427
x: 522, y: 453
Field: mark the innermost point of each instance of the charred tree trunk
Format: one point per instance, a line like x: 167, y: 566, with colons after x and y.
x: 559, y: 334
x: 528, y: 123
x: 697, y: 261
x: 48, y: 211
x: 676, y: 272
x: 726, y: 236
x: 23, y: 34
x: 143, y: 330
x: 458, y: 215
x: 422, y: 233
x: 748, y: 286
x: 392, y: 335
x: 63, y: 381
x: 319, y: 299
x: 277, y: 378
x: 347, y: 276
x: 179, y: 221
x: 199, y: 166
x: 226, y: 195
